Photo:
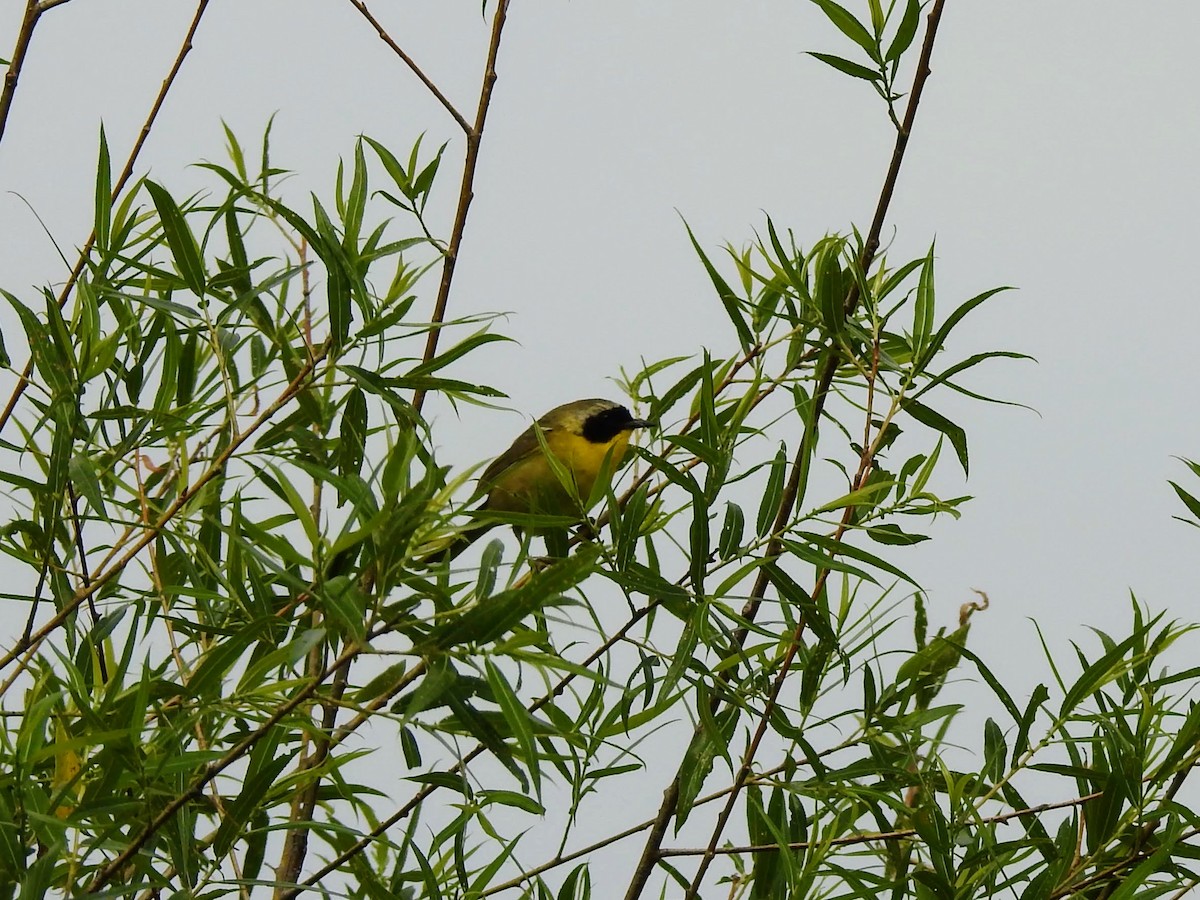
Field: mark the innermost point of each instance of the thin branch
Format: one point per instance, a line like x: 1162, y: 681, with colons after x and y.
x: 118, y: 186
x: 651, y: 852
x: 84, y: 576
x: 33, y: 12
x: 361, y: 6
x: 899, y: 834
x: 466, y: 193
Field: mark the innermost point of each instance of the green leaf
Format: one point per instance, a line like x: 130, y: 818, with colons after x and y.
x: 699, y: 542
x: 955, y: 317
x: 732, y: 528
x: 830, y: 289
x: 709, y: 741
x: 768, y: 506
x: 353, y: 434
x: 493, y: 617
x: 864, y: 496
x: 894, y: 535
x: 938, y: 422
x: 103, y: 198
x: 847, y: 24
x: 337, y: 277
x: 180, y: 240
x: 1189, y: 501
x: 82, y: 472
x: 847, y: 66
x: 844, y: 549
x: 518, y: 719
x: 344, y: 603
x: 1039, y: 696
x: 459, y: 350
x: 905, y: 33
x: 962, y: 366
x: 1096, y: 674
x: 728, y: 298
x: 923, y: 307
x: 356, y: 203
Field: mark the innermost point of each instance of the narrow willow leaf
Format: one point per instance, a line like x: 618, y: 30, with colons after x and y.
x: 905, y: 33
x: 1096, y: 675
x: 768, y: 506
x: 490, y: 619
x: 894, y: 535
x: 923, y: 307
x: 732, y: 530
x: 708, y: 742
x: 83, y: 474
x: 865, y: 496
x: 102, y: 224
x: 180, y: 240
x: 353, y: 434
x: 938, y: 422
x: 847, y: 24
x: 848, y: 67
x: 393, y: 166
x: 699, y: 544
x: 935, y: 344
x: 842, y: 548
x: 660, y: 406
x: 186, y: 372
x: 1189, y: 501
x: 344, y: 603
x: 728, y: 298
x: 356, y: 203
x: 459, y: 350
x: 424, y: 180
x: 518, y: 719
x: 338, y: 293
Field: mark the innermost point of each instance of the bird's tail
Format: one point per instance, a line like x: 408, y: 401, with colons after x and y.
x: 457, y: 544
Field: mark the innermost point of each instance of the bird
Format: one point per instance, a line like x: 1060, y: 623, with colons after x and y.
x: 586, y: 438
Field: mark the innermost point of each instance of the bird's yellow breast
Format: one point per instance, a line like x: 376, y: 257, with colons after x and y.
x: 530, y: 484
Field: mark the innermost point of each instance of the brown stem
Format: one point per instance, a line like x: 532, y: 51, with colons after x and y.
x: 873, y: 836
x: 361, y: 6
x: 296, y: 846
x: 651, y: 852
x: 33, y: 12
x: 465, y: 195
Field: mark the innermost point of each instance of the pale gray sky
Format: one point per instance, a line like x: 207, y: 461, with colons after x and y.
x: 1055, y: 151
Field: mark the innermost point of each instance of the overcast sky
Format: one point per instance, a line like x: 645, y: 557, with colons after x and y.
x: 1055, y: 151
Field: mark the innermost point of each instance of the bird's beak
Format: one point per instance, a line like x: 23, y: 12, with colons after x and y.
x: 639, y: 423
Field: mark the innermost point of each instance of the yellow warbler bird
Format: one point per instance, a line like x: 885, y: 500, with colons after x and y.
x: 586, y: 437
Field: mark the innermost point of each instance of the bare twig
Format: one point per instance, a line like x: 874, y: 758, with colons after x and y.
x: 361, y: 6
x: 29, y: 21
x: 466, y: 192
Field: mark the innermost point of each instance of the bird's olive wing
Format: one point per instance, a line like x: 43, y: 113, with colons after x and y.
x: 522, y: 448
